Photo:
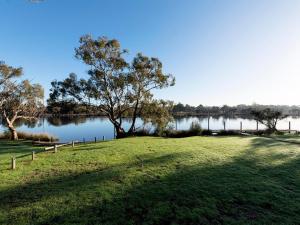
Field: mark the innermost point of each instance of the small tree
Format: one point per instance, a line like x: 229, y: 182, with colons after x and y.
x: 19, y: 100
x: 268, y: 117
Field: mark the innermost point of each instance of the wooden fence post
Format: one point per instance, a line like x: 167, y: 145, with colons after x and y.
x: 256, y: 125
x: 103, y: 138
x: 224, y: 123
x: 208, y: 122
x: 33, y: 155
x: 289, y: 126
x: 13, y: 163
x: 95, y: 139
x: 241, y: 126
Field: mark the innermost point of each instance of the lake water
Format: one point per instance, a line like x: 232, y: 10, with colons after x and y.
x: 77, y: 128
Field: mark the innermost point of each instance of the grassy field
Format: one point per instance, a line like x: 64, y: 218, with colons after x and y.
x: 198, y: 180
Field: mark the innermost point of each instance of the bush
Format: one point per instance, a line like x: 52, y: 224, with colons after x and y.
x: 206, y: 132
x: 265, y: 132
x: 228, y: 132
x: 195, y: 130
x: 258, y: 132
x: 179, y: 133
x: 30, y: 136
x: 195, y: 127
x: 143, y: 132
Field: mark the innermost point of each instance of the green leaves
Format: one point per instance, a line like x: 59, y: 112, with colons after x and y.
x: 8, y: 72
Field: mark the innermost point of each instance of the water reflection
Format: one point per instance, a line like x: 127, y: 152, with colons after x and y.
x: 79, y: 127
x: 62, y: 121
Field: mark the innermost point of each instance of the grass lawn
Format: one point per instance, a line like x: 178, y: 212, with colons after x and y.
x: 197, y: 180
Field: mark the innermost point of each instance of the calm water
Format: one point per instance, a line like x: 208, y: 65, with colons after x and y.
x: 68, y: 129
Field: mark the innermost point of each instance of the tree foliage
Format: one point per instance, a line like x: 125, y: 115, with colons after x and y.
x: 157, y: 112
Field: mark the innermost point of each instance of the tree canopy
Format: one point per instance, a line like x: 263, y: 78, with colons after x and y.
x: 268, y: 117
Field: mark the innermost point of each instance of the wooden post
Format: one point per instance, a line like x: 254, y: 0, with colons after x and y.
x: 103, y: 138
x: 83, y: 140
x: 208, y: 118
x: 241, y: 126
x: 73, y: 144
x: 33, y: 155
x: 289, y: 126
x: 224, y: 123
x: 55, y: 148
x: 13, y: 163
x: 256, y: 125
x: 95, y: 139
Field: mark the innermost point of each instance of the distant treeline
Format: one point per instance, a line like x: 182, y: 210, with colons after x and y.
x: 239, y: 110
x: 75, y: 108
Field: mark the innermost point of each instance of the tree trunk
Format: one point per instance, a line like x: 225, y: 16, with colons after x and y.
x: 132, y: 127
x: 11, y: 128
x: 120, y: 132
x: 13, y: 132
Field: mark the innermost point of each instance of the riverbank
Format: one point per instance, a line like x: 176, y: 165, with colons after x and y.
x: 197, y: 180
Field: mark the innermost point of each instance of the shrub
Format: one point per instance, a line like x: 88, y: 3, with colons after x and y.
x: 195, y: 130
x: 195, y: 127
x: 30, y: 136
x: 265, y: 132
x: 143, y: 132
x: 228, y: 132
x: 258, y: 132
x: 206, y: 132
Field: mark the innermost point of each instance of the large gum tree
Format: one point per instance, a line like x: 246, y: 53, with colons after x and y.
x: 118, y: 88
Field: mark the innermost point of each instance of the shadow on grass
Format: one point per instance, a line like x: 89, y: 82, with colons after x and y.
x: 268, y: 142
x: 10, y: 147
x: 242, y: 191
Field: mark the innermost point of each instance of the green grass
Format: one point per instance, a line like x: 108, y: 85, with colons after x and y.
x: 197, y: 180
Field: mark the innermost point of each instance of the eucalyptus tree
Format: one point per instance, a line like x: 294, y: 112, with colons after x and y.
x: 118, y: 88
x: 19, y: 99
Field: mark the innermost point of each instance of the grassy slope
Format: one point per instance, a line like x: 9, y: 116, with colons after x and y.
x: 198, y: 180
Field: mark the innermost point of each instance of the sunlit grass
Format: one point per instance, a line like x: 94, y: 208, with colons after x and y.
x: 197, y: 180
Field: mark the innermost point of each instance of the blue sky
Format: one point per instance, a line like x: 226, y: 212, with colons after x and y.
x: 220, y: 51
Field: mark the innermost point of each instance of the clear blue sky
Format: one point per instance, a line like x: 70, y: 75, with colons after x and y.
x: 221, y: 52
